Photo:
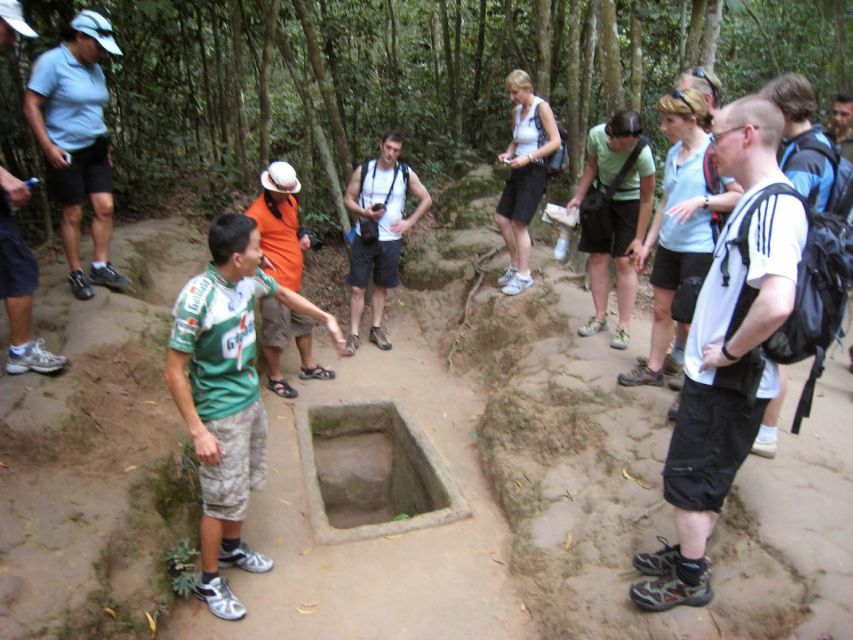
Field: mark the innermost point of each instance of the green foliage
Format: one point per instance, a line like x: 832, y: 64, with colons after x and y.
x: 180, y: 561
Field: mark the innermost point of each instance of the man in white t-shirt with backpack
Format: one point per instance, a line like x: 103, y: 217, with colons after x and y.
x: 721, y: 409
x: 376, y: 194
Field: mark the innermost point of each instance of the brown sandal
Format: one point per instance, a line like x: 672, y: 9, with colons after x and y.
x: 282, y: 389
x: 318, y: 372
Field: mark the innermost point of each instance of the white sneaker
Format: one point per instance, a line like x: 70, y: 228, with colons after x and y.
x: 517, y: 285
x: 508, y: 275
x: 246, y: 559
x: 764, y: 448
x: 219, y: 598
x: 35, y: 359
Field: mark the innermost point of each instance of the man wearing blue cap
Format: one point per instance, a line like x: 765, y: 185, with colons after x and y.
x: 18, y: 267
x: 64, y: 107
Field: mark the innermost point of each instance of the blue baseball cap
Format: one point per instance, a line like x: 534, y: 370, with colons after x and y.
x: 98, y: 27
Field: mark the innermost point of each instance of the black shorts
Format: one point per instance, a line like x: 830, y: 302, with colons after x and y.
x: 674, y: 267
x: 383, y: 256
x: 522, y: 192
x: 623, y: 216
x: 19, y: 272
x: 90, y: 172
x: 713, y: 435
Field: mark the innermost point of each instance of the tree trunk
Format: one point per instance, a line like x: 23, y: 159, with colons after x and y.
x: 478, y: 55
x: 572, y: 113
x: 693, y: 41
x: 682, y: 32
x: 457, y: 75
x: 209, y: 106
x: 236, y: 84
x: 842, y: 79
x: 192, y: 107
x: 436, y: 47
x: 711, y: 38
x: 222, y: 107
x: 326, y: 89
x: 559, y: 32
x: 590, y: 47
x: 269, y: 10
x: 608, y: 48
x: 542, y: 20
x: 393, y: 60
x: 453, y: 113
x: 327, y: 159
x: 636, y: 100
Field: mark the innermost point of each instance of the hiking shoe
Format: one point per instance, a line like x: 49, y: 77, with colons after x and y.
x: 109, y: 278
x: 221, y: 602
x: 671, y: 367
x: 246, y: 559
x: 353, y: 343
x: 81, y: 286
x: 676, y: 383
x: 659, y: 563
x: 640, y: 375
x: 668, y: 591
x: 507, y: 277
x: 35, y: 359
x: 377, y: 336
x: 621, y: 340
x: 517, y: 285
x: 672, y: 412
x: 593, y: 325
x: 766, y: 448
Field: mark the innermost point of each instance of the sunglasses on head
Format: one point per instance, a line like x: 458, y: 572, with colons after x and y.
x: 680, y: 96
x: 609, y: 130
x: 699, y: 72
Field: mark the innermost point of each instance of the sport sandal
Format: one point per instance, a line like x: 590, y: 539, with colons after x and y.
x: 317, y: 372
x: 593, y: 325
x: 282, y: 389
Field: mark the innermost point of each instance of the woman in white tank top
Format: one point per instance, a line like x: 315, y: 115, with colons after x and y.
x: 532, y: 142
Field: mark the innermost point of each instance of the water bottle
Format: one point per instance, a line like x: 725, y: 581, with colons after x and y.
x: 31, y: 183
x: 561, y: 250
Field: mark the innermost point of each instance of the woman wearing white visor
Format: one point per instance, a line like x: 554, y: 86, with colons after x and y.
x: 64, y: 107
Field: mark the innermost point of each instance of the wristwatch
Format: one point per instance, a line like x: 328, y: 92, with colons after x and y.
x: 727, y: 355
x: 706, y: 201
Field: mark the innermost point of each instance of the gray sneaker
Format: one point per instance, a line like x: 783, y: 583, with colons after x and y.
x: 640, y: 375
x: 219, y: 598
x: 81, y: 286
x: 109, y: 278
x: 353, y: 343
x: 507, y: 277
x: 593, y: 325
x: 377, y: 336
x: 245, y: 559
x: 35, y: 359
x: 517, y: 285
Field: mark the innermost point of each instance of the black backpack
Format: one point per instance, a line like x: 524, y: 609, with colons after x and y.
x: 824, y: 278
x: 402, y: 166
x: 558, y: 161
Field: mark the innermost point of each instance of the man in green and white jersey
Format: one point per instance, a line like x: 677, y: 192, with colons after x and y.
x: 213, y: 334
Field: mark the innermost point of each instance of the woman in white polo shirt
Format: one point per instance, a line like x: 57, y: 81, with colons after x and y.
x: 64, y: 107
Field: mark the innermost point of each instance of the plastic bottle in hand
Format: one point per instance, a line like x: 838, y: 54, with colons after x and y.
x: 561, y: 250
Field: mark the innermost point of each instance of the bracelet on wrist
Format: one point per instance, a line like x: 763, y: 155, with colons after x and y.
x: 727, y: 355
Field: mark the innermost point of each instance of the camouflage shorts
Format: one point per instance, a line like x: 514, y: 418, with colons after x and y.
x: 243, y: 467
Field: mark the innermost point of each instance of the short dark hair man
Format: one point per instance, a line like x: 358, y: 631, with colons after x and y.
x: 840, y: 127
x: 716, y: 424
x: 379, y: 196
x: 213, y: 334
x: 18, y: 266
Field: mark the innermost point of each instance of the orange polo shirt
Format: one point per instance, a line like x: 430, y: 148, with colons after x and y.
x: 279, y: 240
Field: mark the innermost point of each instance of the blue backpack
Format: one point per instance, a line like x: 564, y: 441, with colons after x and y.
x: 841, y: 197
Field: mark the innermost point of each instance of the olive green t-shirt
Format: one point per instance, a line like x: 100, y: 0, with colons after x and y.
x: 611, y: 162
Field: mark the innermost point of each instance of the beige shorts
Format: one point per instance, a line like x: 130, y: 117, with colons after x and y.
x: 243, y: 467
x: 281, y: 325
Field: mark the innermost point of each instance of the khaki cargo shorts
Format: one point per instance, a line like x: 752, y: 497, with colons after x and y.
x: 243, y: 467
x: 281, y: 325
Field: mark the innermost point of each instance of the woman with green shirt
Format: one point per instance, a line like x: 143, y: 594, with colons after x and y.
x: 608, y: 148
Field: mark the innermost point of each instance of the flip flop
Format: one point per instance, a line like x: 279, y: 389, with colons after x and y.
x: 282, y: 389
x: 316, y: 373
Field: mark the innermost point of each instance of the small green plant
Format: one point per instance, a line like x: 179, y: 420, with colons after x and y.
x: 180, y: 561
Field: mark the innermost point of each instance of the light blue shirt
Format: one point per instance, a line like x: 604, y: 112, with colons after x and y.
x: 76, y: 94
x: 682, y: 182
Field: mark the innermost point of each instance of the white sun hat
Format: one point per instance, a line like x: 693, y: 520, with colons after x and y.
x: 13, y: 14
x: 96, y: 26
x: 281, y: 177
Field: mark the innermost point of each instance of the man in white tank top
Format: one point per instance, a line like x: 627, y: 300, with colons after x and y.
x: 378, y: 200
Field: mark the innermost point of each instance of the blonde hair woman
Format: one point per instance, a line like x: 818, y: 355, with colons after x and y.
x: 682, y: 223
x: 534, y: 138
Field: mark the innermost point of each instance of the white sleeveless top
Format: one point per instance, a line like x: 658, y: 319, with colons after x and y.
x: 377, y: 184
x: 524, y: 133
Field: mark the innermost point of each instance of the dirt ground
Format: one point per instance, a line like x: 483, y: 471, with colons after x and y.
x: 561, y: 468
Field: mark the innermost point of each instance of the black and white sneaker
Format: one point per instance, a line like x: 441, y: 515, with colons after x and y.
x: 81, y: 286
x: 109, y: 278
x: 245, y: 559
x: 219, y: 598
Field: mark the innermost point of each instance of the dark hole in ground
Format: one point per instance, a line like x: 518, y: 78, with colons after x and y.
x: 370, y: 468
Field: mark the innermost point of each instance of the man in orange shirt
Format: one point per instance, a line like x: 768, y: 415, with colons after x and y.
x: 276, y: 211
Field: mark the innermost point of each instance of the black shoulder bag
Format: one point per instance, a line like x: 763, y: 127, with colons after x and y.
x: 595, y: 208
x: 368, y: 226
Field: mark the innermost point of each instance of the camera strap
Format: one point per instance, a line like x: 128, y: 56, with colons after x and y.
x: 271, y: 205
x: 373, y: 182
